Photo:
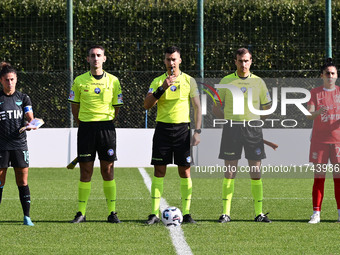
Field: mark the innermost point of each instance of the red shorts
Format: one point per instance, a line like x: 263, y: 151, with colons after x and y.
x: 320, y: 153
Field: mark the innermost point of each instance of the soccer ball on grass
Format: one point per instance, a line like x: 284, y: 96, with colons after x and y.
x: 172, y: 216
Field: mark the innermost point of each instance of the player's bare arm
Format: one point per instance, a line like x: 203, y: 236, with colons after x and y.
x: 151, y: 100
x: 116, y: 111
x: 29, y: 117
x: 311, y: 109
x: 195, y: 101
x: 117, y: 108
x: 75, y: 112
x: 265, y: 107
x: 217, y: 111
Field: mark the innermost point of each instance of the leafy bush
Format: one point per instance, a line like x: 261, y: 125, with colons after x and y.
x: 286, y: 37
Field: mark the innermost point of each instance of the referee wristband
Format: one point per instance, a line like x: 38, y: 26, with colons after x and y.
x: 159, y: 92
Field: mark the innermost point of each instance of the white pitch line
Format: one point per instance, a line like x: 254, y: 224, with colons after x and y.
x: 176, y: 233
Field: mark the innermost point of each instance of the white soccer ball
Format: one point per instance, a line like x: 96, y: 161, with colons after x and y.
x: 172, y: 216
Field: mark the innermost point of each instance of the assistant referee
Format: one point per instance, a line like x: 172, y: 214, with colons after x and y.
x: 173, y: 92
x: 95, y: 99
x: 240, y: 135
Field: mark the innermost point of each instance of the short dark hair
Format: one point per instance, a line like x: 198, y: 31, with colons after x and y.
x: 328, y: 63
x: 242, y: 51
x: 96, y: 46
x: 6, y: 68
x: 172, y: 49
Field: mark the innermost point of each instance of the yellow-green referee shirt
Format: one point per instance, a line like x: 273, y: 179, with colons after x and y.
x: 97, y: 98
x: 260, y: 95
x: 174, y: 104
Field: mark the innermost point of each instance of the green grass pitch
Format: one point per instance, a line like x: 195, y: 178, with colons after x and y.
x: 54, y: 203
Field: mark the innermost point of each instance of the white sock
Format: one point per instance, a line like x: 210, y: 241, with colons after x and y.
x: 318, y: 213
x: 339, y: 213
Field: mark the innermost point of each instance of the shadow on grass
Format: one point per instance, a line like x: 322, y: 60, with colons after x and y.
x: 17, y: 222
x: 304, y: 221
x: 11, y: 222
x: 216, y: 221
x: 8, y: 222
x: 142, y: 222
x: 273, y: 221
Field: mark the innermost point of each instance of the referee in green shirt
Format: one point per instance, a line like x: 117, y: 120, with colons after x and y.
x: 95, y: 98
x: 241, y: 135
x: 173, y: 92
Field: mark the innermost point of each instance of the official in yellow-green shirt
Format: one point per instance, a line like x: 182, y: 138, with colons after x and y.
x: 173, y: 92
x: 95, y: 98
x: 238, y: 134
x: 174, y: 106
x: 260, y: 96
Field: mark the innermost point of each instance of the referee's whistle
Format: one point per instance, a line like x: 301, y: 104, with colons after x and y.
x: 172, y: 71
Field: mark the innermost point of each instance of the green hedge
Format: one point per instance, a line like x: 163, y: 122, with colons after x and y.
x: 284, y: 35
x: 287, y: 38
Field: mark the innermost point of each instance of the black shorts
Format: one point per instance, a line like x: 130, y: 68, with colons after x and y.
x: 237, y: 136
x: 98, y: 136
x: 171, y: 144
x: 14, y: 158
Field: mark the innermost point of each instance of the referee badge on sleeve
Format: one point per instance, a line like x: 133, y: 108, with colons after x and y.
x: 71, y: 96
x: 120, y: 98
x: 188, y: 159
x: 215, y: 96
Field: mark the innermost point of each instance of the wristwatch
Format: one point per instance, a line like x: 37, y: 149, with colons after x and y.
x: 198, y: 131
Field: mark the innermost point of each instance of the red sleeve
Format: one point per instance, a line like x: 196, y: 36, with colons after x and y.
x: 312, y: 100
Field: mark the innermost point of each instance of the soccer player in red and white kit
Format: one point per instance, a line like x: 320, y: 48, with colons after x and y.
x: 324, y: 106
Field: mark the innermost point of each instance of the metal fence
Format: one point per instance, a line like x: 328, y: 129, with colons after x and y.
x: 34, y: 40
